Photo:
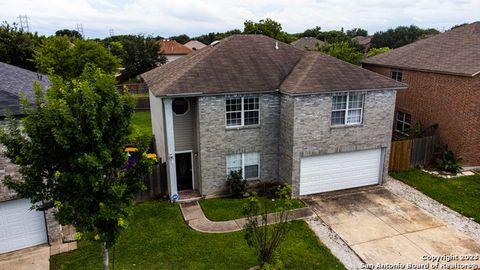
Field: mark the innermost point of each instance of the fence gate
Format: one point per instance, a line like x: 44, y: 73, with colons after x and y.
x: 400, y: 153
x: 411, y: 153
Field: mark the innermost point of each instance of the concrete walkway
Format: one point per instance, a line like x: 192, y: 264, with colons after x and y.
x: 25, y: 259
x: 195, y: 218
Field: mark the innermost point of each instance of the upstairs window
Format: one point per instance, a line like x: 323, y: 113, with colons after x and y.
x: 397, y: 75
x: 242, y: 111
x: 347, y: 109
x: 403, y: 122
x: 247, y: 163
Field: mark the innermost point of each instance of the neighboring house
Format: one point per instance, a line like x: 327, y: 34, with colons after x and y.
x: 21, y: 227
x: 443, y: 75
x: 276, y: 113
x: 307, y: 43
x: 194, y: 45
x: 173, y: 50
x: 365, y: 41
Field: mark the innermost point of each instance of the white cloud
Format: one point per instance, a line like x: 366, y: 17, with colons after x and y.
x: 195, y: 17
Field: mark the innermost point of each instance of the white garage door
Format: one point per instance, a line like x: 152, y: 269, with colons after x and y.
x: 20, y: 227
x: 340, y: 171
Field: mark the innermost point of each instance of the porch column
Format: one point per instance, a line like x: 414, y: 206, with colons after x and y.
x: 170, y: 137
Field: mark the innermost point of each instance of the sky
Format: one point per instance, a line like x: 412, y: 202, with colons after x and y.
x: 195, y: 17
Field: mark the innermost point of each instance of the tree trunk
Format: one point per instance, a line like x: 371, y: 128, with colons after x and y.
x: 105, y: 256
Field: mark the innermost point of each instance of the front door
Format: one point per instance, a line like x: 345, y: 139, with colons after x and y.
x: 184, y: 171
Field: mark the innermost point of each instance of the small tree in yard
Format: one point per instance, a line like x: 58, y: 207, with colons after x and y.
x: 266, y: 239
x: 70, y: 154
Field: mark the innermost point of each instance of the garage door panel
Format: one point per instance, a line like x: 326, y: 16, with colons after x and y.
x: 339, y: 171
x: 21, y: 227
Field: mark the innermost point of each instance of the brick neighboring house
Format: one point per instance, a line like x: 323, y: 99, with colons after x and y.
x: 20, y: 227
x: 443, y: 75
x: 173, y: 50
x: 277, y: 113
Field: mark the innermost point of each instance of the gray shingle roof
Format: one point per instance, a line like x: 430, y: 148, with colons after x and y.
x: 453, y: 52
x: 256, y: 63
x: 13, y: 81
x: 307, y: 43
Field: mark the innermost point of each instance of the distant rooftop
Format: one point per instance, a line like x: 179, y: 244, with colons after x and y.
x: 172, y: 47
x: 15, y: 80
x: 194, y: 45
x: 307, y: 43
x: 454, y: 52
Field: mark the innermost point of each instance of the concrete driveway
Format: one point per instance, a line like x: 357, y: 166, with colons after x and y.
x: 37, y: 258
x: 381, y: 227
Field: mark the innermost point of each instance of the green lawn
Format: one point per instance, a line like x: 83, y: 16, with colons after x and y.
x: 461, y: 194
x: 232, y: 208
x: 142, y: 121
x: 158, y: 238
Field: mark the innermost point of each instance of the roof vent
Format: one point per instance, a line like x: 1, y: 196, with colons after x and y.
x: 276, y: 45
x: 216, y: 42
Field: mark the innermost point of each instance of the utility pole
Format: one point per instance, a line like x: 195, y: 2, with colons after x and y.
x: 80, y: 29
x: 24, y: 23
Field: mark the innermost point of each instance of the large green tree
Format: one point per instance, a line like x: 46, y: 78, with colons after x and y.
x: 70, y: 154
x: 343, y: 51
x: 268, y: 27
x: 357, y: 32
x: 400, y: 36
x: 59, y: 56
x: 139, y: 53
x: 71, y: 34
x: 211, y: 37
x: 17, y: 46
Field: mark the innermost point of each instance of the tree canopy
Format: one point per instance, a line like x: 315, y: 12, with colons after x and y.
x: 357, y: 32
x: 70, y: 154
x: 17, y: 47
x: 58, y: 55
x: 71, y: 34
x: 400, y: 36
x: 138, y: 53
x: 375, y: 51
x: 343, y: 51
x: 182, y: 39
x: 211, y: 37
x: 268, y: 27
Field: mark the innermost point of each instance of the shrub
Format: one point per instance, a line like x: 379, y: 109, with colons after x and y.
x: 449, y: 163
x: 236, y: 183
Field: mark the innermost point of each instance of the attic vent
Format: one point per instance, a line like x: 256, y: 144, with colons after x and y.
x: 276, y: 45
x: 216, y: 42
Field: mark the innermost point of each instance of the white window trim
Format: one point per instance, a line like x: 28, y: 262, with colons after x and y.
x: 242, y: 113
x: 403, y: 123
x: 347, y: 109
x: 243, y: 165
x: 397, y: 72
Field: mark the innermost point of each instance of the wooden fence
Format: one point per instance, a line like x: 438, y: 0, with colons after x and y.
x: 411, y: 153
x: 140, y: 91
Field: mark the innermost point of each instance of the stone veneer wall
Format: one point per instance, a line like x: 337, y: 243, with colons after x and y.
x: 313, y: 134
x: 216, y: 141
x: 54, y: 229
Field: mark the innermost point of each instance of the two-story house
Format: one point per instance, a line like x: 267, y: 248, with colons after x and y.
x: 443, y: 77
x: 277, y: 113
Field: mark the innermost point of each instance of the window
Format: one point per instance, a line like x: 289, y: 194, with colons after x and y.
x: 242, y: 111
x: 403, y: 122
x: 397, y: 75
x: 180, y: 106
x: 347, y: 109
x: 248, y: 163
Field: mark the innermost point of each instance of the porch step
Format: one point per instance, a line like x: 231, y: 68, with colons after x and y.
x: 189, y: 196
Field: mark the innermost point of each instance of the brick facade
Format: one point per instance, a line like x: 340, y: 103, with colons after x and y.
x: 453, y: 102
x: 291, y: 127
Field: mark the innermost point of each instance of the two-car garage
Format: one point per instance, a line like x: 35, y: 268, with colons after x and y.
x: 340, y: 171
x: 20, y: 227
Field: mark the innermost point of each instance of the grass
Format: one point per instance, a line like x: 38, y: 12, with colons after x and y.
x: 232, y: 208
x: 158, y: 238
x: 142, y: 121
x: 461, y: 194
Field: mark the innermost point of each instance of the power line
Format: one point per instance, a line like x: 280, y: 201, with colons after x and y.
x: 110, y: 31
x: 80, y: 29
x: 24, y: 25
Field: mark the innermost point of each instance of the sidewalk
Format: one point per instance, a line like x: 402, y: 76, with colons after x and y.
x: 195, y: 218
